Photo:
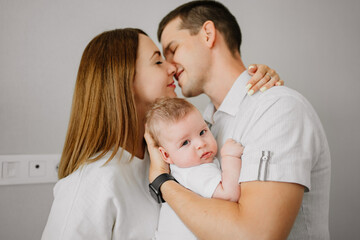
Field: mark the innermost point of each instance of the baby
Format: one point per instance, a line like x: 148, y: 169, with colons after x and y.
x: 186, y: 143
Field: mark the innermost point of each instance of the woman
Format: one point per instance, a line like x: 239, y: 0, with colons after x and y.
x: 103, y: 188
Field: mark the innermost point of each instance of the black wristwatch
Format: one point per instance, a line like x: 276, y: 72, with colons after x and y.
x: 154, y: 187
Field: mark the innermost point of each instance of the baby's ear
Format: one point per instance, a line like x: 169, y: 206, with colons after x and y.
x: 165, y: 155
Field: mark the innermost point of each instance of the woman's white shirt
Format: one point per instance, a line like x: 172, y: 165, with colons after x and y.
x: 100, y: 201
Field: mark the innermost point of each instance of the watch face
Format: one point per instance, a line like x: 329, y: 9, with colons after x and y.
x: 154, y: 193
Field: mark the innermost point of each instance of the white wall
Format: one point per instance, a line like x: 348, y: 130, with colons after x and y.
x: 314, y: 45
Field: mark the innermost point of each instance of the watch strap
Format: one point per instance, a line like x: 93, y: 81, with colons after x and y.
x: 154, y: 187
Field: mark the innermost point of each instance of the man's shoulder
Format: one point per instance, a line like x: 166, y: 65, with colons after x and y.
x: 284, y: 96
x: 280, y: 92
x: 274, y: 106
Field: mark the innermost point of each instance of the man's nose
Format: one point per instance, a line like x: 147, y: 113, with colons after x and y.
x: 171, y: 69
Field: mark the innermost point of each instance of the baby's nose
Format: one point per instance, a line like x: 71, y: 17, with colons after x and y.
x: 200, y: 144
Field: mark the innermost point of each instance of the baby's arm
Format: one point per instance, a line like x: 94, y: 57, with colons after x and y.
x: 229, y: 188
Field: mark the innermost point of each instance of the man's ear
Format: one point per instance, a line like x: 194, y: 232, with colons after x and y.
x: 208, y: 31
x: 165, y: 155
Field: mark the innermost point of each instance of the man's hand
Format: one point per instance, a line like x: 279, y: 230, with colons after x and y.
x: 157, y: 164
x: 232, y: 148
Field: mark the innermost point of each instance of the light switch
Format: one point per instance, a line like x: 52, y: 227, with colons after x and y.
x: 11, y: 169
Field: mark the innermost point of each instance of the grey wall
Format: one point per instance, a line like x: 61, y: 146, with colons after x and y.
x: 314, y: 45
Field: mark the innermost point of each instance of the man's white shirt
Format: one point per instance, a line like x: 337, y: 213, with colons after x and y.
x: 284, y: 141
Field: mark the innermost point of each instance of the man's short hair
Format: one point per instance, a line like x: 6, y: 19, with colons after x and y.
x: 166, y: 110
x: 194, y: 14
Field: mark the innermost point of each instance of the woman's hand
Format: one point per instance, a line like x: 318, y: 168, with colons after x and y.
x: 157, y: 164
x: 263, y: 78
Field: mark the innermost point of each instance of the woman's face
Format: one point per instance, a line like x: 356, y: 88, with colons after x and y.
x: 154, y: 75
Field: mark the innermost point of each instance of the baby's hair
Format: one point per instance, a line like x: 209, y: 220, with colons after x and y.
x: 166, y: 110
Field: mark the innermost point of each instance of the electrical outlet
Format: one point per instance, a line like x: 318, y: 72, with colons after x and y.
x: 37, y: 168
x: 28, y: 169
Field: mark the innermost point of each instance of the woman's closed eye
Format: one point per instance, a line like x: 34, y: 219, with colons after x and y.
x: 159, y: 62
x: 173, y: 50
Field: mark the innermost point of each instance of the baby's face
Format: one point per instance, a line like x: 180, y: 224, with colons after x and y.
x: 188, y: 142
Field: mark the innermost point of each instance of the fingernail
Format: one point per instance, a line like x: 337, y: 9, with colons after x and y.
x: 251, y: 92
x: 277, y: 83
x: 248, y: 86
x: 263, y: 89
x: 252, y: 66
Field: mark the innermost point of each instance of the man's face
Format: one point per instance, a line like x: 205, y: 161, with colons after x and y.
x: 189, y: 54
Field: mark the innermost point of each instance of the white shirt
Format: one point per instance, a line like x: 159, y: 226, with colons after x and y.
x: 100, y: 201
x: 284, y: 141
x: 202, y: 179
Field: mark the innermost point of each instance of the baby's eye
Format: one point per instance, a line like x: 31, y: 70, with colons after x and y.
x: 202, y: 132
x: 186, y: 142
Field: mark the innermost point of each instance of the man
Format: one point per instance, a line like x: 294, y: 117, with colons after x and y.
x: 285, y: 176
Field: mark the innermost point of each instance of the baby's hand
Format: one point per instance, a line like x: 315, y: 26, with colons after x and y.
x: 232, y: 148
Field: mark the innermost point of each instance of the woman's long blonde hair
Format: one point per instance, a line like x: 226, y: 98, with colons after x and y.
x: 103, y: 115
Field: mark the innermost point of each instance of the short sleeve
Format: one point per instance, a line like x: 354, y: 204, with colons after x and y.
x: 88, y: 212
x: 204, y: 179
x: 281, y: 143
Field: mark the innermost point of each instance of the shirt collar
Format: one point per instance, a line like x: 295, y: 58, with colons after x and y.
x: 208, y: 114
x: 232, y: 100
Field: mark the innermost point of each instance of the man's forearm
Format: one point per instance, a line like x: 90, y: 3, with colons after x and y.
x: 266, y: 210
x: 199, y: 214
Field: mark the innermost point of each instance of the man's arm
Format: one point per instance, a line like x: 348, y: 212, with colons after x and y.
x: 266, y: 210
